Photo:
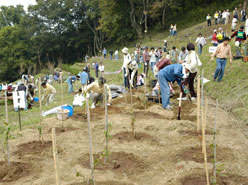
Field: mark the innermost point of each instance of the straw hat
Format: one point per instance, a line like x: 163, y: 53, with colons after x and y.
x: 125, y: 50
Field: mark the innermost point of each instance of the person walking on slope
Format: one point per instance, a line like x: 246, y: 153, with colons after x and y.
x: 171, y: 30
x: 104, y: 52
x: 101, y: 69
x: 216, y: 15
x: 96, y: 69
x: 227, y: 16
x: 193, y: 62
x: 174, y: 30
x: 243, y: 15
x: 236, y: 13
x: 208, y: 18
x: 200, y: 41
x: 171, y: 73
x: 116, y: 54
x: 214, y: 38
x: 240, y: 37
x: 234, y: 24
x: 146, y: 59
x: 220, y: 35
x: 50, y: 92
x: 84, y: 78
x: 222, y: 52
x: 153, y: 58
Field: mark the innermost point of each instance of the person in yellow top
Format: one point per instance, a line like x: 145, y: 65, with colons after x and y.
x: 98, y: 89
x: 216, y: 16
x: 50, y: 92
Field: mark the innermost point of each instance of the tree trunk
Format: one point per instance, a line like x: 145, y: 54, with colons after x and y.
x: 38, y: 54
x: 245, y: 4
x: 163, y: 17
x: 134, y: 24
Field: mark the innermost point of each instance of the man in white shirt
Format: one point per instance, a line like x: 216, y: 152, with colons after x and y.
x: 101, y: 69
x: 126, y: 60
x: 116, y: 54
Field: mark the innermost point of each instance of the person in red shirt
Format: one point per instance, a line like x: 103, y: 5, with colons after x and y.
x: 240, y: 37
x: 214, y: 38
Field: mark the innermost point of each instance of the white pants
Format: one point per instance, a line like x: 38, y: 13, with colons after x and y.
x: 50, y: 98
x: 84, y: 87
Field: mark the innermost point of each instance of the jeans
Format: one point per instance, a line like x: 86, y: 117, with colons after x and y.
x: 220, y: 68
x: 165, y: 90
x: 116, y: 57
x: 146, y: 67
x: 238, y: 52
x: 199, y: 49
x: 152, y: 65
x: 111, y: 57
x: 97, y: 73
x: 174, y: 32
x: 209, y: 23
x: 70, y: 87
x: 216, y: 21
x: 171, y: 32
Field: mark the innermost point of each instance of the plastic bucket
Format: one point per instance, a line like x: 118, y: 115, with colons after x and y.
x: 70, y: 108
x: 36, y: 99
x: 62, y: 114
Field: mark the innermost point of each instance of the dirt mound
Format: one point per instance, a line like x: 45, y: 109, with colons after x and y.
x: 13, y: 172
x: 186, y: 110
x: 127, y: 136
x: 33, y: 147
x: 101, y: 183
x: 222, y: 179
x: 121, y: 162
x: 194, y: 132
x: 60, y: 130
x: 148, y: 115
x: 195, y: 154
x: 79, y: 116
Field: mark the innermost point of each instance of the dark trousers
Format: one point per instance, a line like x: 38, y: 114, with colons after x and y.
x: 189, y: 81
x: 209, y: 23
x: 96, y: 73
x: 146, y: 67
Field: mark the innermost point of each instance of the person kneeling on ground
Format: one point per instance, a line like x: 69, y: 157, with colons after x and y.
x: 50, y: 92
x: 32, y: 89
x: 193, y: 61
x: 171, y: 73
x: 98, y: 89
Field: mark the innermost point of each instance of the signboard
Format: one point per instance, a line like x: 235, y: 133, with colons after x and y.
x: 19, y: 99
x: 212, y: 49
x: 4, y: 87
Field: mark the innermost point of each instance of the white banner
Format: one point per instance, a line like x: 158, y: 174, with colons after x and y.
x: 19, y: 99
x: 212, y: 49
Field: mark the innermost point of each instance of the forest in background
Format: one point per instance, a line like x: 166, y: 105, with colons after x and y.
x: 55, y: 32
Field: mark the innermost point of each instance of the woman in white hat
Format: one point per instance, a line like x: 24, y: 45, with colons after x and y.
x: 126, y: 60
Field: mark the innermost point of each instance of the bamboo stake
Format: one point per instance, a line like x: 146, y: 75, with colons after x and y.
x: 179, y: 106
x: 6, y: 106
x: 62, y: 100
x: 198, y: 102
x: 55, y: 157
x: 204, y: 141
x: 145, y: 91
x: 41, y: 128
x: 215, y: 125
x: 90, y: 142
x: 106, y: 126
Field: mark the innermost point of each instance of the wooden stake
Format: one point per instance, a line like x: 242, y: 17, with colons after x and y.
x: 41, y: 128
x: 6, y: 106
x: 106, y: 125
x: 62, y: 100
x: 55, y: 157
x: 90, y: 142
x: 198, y: 102
x: 20, y: 123
x: 145, y: 91
x: 204, y: 141
x: 158, y: 92
x: 215, y: 126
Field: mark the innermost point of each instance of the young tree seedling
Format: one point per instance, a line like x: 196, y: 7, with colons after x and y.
x: 40, y: 127
x: 198, y: 102
x: 90, y: 142
x: 6, y: 142
x: 215, y: 125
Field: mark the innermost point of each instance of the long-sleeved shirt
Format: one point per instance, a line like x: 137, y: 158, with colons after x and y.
x: 101, y: 68
x: 182, y: 55
x: 173, y: 72
x: 84, y: 78
x: 126, y: 60
x: 94, y: 87
x: 49, y: 90
x: 237, y: 37
x: 223, y: 51
x: 200, y: 40
x: 146, y: 56
x: 193, y: 61
x: 152, y: 56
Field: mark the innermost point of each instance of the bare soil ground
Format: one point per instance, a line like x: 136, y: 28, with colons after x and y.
x: 164, y: 151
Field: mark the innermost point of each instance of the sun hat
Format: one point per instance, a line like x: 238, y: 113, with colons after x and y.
x: 125, y: 50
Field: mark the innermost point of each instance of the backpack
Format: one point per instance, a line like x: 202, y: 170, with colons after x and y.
x: 240, y: 35
x: 219, y: 36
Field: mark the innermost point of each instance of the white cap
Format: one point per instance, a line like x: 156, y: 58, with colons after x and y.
x: 125, y: 50
x: 165, y: 40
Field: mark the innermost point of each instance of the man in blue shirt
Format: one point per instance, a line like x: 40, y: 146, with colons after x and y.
x: 84, y: 79
x: 171, y: 73
x: 69, y: 81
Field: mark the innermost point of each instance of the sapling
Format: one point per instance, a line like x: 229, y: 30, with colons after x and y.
x: 40, y: 126
x: 55, y: 156
x: 215, y: 125
x: 106, y: 124
x: 6, y: 142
